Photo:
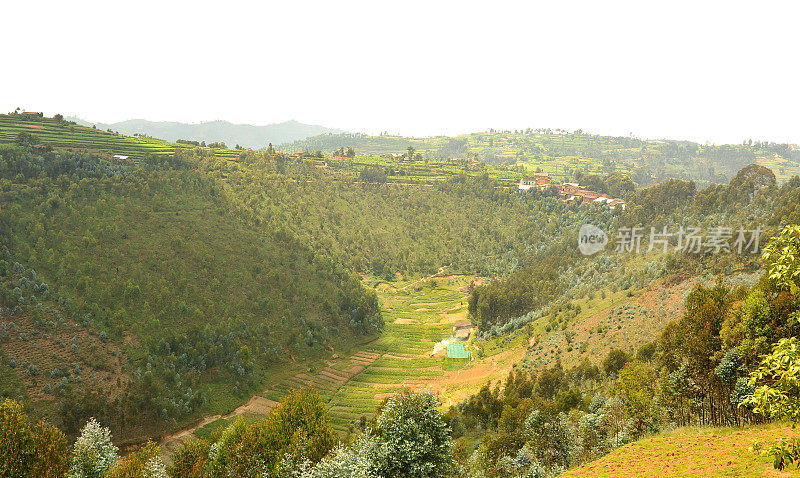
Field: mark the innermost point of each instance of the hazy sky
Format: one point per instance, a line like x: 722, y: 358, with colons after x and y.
x: 706, y: 71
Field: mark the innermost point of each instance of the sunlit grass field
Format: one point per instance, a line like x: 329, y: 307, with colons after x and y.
x: 707, y: 452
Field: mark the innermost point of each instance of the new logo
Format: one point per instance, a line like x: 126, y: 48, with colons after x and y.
x: 591, y: 239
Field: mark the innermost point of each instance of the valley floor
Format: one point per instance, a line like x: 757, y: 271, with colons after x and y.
x: 695, y: 452
x: 418, y: 314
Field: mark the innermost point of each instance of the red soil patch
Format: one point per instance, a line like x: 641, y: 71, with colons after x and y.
x: 456, y: 385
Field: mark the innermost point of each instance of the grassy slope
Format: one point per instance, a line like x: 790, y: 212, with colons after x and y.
x: 697, y: 452
x: 623, y: 319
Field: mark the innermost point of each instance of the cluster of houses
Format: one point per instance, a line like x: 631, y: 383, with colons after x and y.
x: 570, y: 192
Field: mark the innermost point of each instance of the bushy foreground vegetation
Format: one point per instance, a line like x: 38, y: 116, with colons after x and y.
x: 410, y: 439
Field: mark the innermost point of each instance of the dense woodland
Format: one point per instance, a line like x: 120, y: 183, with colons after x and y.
x: 466, y: 223
x: 167, y: 271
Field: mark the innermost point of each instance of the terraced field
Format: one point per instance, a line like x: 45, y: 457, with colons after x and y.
x: 562, y: 154
x: 430, y: 170
x: 64, y: 135
x: 418, y: 315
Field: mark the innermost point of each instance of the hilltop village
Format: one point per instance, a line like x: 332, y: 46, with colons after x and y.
x: 570, y: 192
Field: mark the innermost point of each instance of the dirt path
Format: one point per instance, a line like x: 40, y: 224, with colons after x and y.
x: 257, y: 405
x: 327, y: 379
x: 438, y: 273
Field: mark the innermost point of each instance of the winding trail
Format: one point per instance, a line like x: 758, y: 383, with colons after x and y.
x: 326, y: 382
x: 172, y: 441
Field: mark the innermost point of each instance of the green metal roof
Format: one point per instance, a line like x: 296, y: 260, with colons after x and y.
x: 457, y: 351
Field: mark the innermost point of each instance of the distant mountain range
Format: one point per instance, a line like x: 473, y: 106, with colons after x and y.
x: 249, y: 136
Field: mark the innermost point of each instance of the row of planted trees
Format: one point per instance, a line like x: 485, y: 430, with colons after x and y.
x: 706, y: 357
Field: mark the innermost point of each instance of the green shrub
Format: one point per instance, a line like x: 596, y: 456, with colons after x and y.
x: 299, y: 427
x: 93, y: 453
x: 415, y: 436
x: 614, y: 361
x: 38, y: 452
x: 143, y: 463
x: 191, y: 460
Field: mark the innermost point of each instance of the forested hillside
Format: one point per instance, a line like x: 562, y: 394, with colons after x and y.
x: 752, y: 199
x: 153, y: 259
x: 466, y: 222
x: 538, y: 422
x: 568, y: 403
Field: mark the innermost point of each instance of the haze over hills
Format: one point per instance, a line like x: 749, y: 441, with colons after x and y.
x: 246, y: 135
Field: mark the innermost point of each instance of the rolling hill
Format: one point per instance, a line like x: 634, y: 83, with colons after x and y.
x: 245, y: 135
x: 184, y: 286
x: 563, y: 153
